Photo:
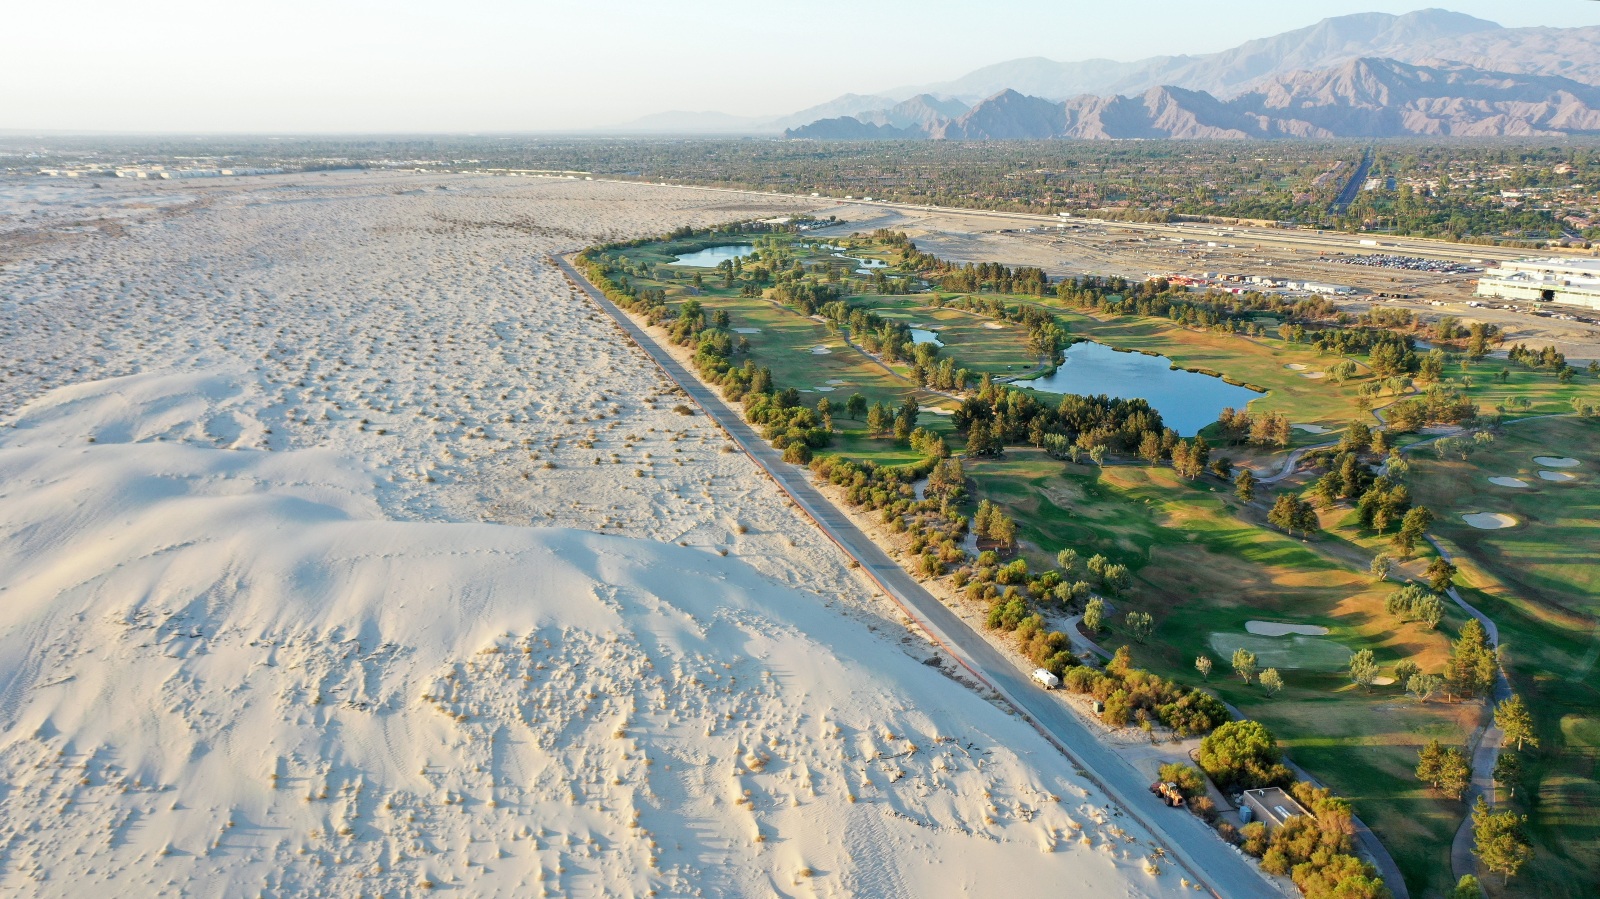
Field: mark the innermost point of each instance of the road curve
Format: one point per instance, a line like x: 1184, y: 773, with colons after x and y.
x: 1206, y: 858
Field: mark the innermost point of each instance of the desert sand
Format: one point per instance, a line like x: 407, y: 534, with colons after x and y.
x: 345, y: 551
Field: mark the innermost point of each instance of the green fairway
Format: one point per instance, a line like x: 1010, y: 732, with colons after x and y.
x: 1204, y: 564
x: 1202, y: 571
x: 1549, y: 555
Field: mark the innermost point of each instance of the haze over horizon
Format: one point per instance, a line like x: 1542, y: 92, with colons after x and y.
x: 499, y: 66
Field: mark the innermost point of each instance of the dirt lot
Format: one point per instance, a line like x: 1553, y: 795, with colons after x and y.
x: 1087, y: 246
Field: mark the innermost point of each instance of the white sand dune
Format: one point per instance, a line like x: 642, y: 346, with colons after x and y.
x: 272, y: 619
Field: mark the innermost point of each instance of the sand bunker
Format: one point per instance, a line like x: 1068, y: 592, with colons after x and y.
x: 1489, y: 521
x: 1295, y: 366
x: 1279, y: 629
x: 1556, y: 461
x: 993, y: 326
x: 1558, y: 476
x: 820, y: 351
x: 835, y: 382
x: 1313, y: 429
x: 747, y: 330
x: 825, y: 389
x: 1508, y: 482
x: 1314, y: 375
x: 1384, y: 681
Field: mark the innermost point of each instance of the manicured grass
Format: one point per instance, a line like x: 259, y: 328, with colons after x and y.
x: 1201, y: 569
x: 1257, y: 361
x: 784, y: 341
x: 1549, y: 556
x: 1203, y: 565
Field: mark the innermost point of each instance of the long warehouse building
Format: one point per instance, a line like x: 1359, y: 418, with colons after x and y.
x: 1575, y: 282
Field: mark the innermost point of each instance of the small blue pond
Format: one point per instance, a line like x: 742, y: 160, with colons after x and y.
x: 711, y: 257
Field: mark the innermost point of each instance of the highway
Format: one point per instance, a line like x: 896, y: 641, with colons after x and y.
x: 1205, y: 858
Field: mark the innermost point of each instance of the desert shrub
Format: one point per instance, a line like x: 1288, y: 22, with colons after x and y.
x: 1255, y: 839
x: 1191, y: 783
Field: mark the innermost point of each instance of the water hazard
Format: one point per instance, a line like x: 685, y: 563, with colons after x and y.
x: 711, y: 257
x: 1187, y: 401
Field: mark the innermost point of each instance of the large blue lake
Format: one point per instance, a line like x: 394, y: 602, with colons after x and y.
x: 711, y: 257
x: 1186, y: 400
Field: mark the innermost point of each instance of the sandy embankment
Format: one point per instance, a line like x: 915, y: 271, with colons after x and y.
x: 274, y: 620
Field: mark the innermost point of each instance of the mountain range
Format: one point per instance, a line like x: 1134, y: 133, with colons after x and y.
x: 1360, y: 98
x: 1369, y: 75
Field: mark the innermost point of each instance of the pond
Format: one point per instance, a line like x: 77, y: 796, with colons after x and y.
x: 1187, y: 401
x: 711, y: 257
x: 923, y: 335
x: 863, y: 266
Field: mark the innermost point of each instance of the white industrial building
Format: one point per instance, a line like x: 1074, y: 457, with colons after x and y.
x: 1572, y: 281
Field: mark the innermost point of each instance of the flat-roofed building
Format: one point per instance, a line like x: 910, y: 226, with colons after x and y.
x: 1272, y: 806
x: 1572, y: 281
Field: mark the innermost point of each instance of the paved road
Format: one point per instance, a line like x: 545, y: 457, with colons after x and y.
x: 1352, y: 188
x: 1206, y: 858
x: 1490, y: 739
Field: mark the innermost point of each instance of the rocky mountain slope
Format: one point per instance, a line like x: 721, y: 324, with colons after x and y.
x: 1365, y: 97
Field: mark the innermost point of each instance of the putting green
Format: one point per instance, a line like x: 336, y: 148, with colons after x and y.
x: 1292, y: 651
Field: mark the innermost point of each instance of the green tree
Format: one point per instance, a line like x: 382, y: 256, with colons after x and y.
x: 1512, y: 716
x: 1094, y: 615
x: 905, y: 421
x: 1202, y: 664
x: 877, y: 419
x: 1382, y: 565
x: 1244, y: 664
x: 1440, y: 574
x: 1455, y: 773
x: 1508, y: 771
x: 1242, y: 755
x: 856, y: 406
x: 1473, y: 666
x: 1405, y: 670
x: 1067, y: 560
x: 1271, y: 681
x: 1499, y: 841
x: 1424, y: 686
x: 1429, y: 760
x: 1139, y: 625
x: 1466, y: 888
x: 1363, y: 668
x: 1244, y: 485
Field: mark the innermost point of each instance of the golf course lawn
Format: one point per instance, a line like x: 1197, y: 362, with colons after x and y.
x: 1202, y: 571
x: 1549, y: 555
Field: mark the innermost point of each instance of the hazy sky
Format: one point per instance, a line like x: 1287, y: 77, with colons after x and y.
x: 527, y: 65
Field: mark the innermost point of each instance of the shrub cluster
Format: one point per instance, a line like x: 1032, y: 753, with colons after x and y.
x: 1131, y: 694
